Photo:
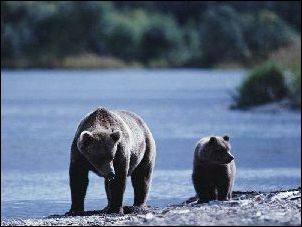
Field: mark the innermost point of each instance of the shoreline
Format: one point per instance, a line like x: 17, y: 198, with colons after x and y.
x: 272, y: 107
x: 246, y: 208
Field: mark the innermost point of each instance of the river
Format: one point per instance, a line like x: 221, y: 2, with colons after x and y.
x: 41, y: 109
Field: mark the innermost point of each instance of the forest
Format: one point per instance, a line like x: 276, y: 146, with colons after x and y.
x: 145, y: 33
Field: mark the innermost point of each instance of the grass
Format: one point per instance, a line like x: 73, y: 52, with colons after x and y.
x: 279, y: 77
x: 93, y: 61
x: 289, y: 58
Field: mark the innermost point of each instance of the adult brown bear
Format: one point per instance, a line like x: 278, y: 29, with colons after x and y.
x: 114, y: 145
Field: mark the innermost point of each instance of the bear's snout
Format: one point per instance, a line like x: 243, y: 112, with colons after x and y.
x: 230, y: 158
x: 110, y: 176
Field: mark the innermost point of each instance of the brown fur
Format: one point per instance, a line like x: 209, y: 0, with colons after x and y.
x: 213, y: 169
x: 112, y: 144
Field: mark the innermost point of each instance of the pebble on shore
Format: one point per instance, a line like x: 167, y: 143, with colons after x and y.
x: 246, y: 208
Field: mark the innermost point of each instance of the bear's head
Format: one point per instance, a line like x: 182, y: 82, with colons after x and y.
x: 215, y: 150
x: 99, y: 148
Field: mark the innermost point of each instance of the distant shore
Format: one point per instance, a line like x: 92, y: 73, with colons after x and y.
x: 93, y: 61
x: 83, y: 61
x: 246, y: 208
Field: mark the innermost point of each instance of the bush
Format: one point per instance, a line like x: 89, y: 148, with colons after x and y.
x: 289, y: 58
x: 265, y: 84
x: 295, y: 86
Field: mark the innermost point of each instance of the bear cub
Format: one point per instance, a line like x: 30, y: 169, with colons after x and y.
x: 113, y: 144
x: 213, y: 169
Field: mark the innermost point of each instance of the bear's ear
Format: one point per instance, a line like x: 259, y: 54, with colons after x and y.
x: 115, y: 136
x: 226, y: 138
x: 84, y: 139
x: 212, y: 140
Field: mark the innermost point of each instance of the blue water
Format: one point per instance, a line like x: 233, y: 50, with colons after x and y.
x: 41, y: 109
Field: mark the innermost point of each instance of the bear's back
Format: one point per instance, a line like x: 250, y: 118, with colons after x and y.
x: 133, y: 121
x: 137, y: 129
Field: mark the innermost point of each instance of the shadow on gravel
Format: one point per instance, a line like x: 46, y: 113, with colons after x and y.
x: 127, y: 210
x: 238, y: 195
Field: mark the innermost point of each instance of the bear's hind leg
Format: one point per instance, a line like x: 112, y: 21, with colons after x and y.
x: 141, y: 181
x: 142, y: 176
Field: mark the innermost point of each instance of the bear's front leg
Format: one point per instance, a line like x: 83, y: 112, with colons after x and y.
x: 78, y: 180
x: 115, y: 191
x: 223, y: 189
x: 106, y: 182
x: 205, y: 189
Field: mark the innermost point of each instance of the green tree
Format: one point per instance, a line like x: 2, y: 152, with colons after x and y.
x: 265, y: 32
x: 123, y: 32
x: 221, y: 36
x: 161, y: 39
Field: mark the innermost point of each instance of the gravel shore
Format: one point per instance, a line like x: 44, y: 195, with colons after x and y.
x: 246, y: 208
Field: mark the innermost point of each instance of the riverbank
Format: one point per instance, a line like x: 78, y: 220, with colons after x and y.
x: 82, y: 61
x: 246, y: 208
